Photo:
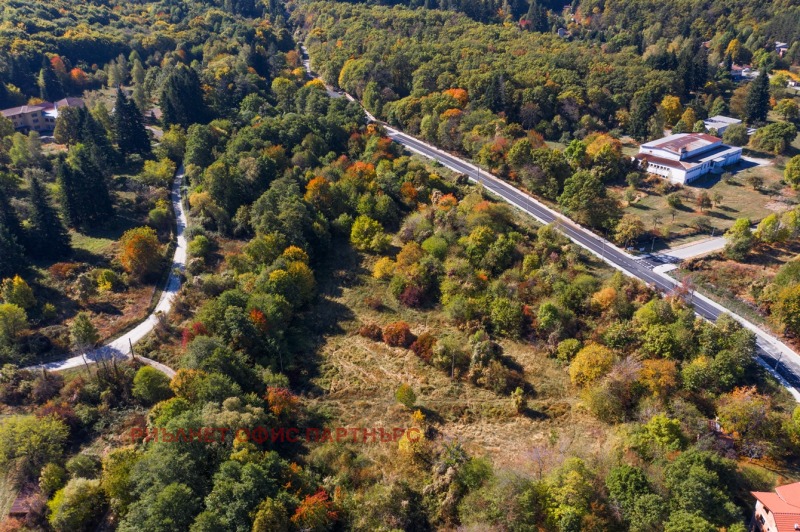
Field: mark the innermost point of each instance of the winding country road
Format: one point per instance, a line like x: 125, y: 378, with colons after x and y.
x: 121, y: 346
x: 775, y: 356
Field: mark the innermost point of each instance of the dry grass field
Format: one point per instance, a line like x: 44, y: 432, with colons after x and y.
x: 357, y: 378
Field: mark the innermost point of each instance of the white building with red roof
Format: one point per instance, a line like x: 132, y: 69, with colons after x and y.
x: 777, y: 511
x: 684, y: 157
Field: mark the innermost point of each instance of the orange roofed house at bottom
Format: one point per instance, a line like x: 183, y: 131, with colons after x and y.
x: 778, y: 511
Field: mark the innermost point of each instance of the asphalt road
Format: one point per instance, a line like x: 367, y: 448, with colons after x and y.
x: 777, y: 358
x: 121, y: 347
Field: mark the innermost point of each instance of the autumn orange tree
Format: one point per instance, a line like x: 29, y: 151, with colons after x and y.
x: 140, y: 252
x: 315, y: 512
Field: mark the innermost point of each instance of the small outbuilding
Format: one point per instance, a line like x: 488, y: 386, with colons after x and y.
x: 684, y: 157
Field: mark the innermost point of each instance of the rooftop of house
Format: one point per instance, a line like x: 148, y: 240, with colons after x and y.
x: 70, y: 101
x: 44, y: 106
x: 13, y: 111
x: 683, y: 142
x: 723, y: 120
x: 784, y: 504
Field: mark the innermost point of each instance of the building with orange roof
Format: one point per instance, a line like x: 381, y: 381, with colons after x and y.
x: 777, y: 511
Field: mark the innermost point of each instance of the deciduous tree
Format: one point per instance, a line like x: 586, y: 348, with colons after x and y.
x: 140, y: 252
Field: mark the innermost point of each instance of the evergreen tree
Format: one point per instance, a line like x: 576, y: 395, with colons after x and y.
x: 85, y: 197
x: 756, y: 105
x: 47, y: 237
x: 13, y: 256
x: 94, y: 136
x: 5, y: 96
x: 719, y: 107
x: 95, y: 188
x: 129, y: 127
x: 684, y: 73
x: 700, y: 67
x: 50, y: 88
x: 182, y: 98
x: 642, y: 108
x: 8, y: 217
x: 69, y: 196
x: 537, y: 17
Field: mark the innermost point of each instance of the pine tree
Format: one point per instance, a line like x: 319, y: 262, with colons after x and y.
x: 13, y: 256
x: 47, y: 237
x: 756, y: 105
x: 95, y: 137
x: 50, y: 88
x: 537, y: 17
x: 94, y: 188
x: 8, y: 217
x: 129, y: 126
x: 642, y: 108
x: 5, y: 97
x: 182, y: 98
x: 85, y: 198
x: 719, y: 107
x: 70, y: 198
x: 684, y: 73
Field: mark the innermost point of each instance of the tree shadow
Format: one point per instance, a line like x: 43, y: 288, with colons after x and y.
x: 340, y: 268
x: 104, y: 307
x: 719, y: 215
x: 534, y: 415
x: 84, y: 255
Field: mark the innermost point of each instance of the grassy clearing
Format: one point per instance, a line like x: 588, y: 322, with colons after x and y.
x: 687, y: 222
x: 730, y: 283
x: 7, y: 493
x: 357, y: 379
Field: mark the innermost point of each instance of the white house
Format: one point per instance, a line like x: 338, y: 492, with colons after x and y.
x: 684, y: 157
x: 720, y: 123
x: 39, y: 117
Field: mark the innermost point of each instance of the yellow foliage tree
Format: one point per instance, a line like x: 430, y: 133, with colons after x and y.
x: 591, y: 363
x: 383, y: 269
x: 659, y: 376
x: 605, y: 297
x: 671, y: 109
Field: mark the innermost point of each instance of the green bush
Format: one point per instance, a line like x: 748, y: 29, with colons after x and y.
x: 150, y: 386
x: 405, y: 396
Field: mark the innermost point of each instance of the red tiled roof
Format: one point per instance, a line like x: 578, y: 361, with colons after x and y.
x: 678, y: 165
x: 784, y: 505
x: 689, y: 142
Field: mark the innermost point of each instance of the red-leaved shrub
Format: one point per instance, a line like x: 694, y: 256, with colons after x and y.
x: 398, y: 334
x: 423, y: 346
x: 412, y: 296
x: 371, y: 331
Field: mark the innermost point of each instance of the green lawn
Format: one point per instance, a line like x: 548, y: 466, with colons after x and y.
x: 99, y: 241
x: 739, y: 200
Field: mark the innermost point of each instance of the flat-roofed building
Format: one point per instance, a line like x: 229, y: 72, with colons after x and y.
x: 684, y: 157
x: 720, y: 123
